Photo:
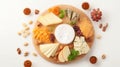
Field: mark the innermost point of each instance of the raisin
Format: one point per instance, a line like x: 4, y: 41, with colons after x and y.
x: 52, y: 38
x: 77, y: 30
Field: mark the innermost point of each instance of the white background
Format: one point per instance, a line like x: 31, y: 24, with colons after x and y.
x: 12, y: 17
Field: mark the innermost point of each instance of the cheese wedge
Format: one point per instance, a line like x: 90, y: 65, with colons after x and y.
x: 49, y: 49
x: 52, y: 52
x: 56, y: 47
x: 63, y: 55
x: 45, y: 47
x: 48, y: 53
x: 60, y: 57
x: 66, y: 53
x: 81, y: 45
x: 49, y: 19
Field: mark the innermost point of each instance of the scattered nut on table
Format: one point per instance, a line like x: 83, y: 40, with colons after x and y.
x: 103, y: 56
x: 26, y: 53
x: 19, y: 51
x: 98, y: 36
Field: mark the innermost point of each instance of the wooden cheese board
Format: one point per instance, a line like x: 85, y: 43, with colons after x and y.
x: 47, y: 28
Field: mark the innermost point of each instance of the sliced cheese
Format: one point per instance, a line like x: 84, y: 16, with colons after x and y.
x: 48, y: 53
x: 56, y: 47
x: 66, y: 53
x: 81, y: 45
x: 64, y: 33
x: 45, y: 47
x: 60, y: 57
x: 53, y: 51
x: 49, y: 19
x: 49, y: 49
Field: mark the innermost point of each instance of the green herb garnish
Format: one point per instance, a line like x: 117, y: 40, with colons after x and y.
x: 73, y: 54
x: 72, y: 22
x: 62, y: 13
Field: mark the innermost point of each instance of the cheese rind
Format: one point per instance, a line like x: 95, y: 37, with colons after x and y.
x: 49, y: 19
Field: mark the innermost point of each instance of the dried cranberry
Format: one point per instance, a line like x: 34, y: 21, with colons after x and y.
x: 77, y: 30
x: 52, y: 38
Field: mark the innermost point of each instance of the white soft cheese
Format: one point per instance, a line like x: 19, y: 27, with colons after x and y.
x: 64, y: 33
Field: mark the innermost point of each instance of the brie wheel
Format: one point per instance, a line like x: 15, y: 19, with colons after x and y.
x: 64, y: 33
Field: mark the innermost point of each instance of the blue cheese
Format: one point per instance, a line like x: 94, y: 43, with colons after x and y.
x: 81, y: 45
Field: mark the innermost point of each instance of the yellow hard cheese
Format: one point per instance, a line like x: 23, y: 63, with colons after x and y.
x: 49, y: 19
x: 81, y: 45
x: 63, y: 55
x: 49, y: 49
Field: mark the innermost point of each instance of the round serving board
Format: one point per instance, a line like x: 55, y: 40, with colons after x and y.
x: 84, y: 24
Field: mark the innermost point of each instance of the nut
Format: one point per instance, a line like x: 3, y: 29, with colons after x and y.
x: 27, y: 28
x: 100, y: 26
x: 19, y: 33
x: 37, y: 11
x: 103, y: 56
x: 105, y: 27
x: 24, y: 24
x: 24, y: 35
x: 26, y: 44
x: 19, y: 51
x: 26, y: 53
x: 30, y: 22
x: 98, y: 36
x: 34, y: 54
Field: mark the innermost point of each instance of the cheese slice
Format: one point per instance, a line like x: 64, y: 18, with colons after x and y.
x: 60, y: 57
x: 66, y: 53
x: 56, y: 47
x: 45, y: 47
x: 53, y: 51
x: 49, y: 19
x: 81, y: 45
x: 49, y: 49
x: 48, y: 53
